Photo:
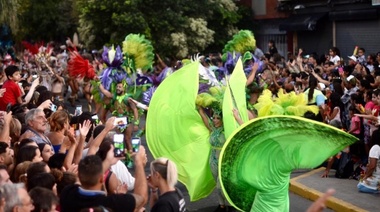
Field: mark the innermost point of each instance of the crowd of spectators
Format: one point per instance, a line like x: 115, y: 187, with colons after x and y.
x: 51, y: 159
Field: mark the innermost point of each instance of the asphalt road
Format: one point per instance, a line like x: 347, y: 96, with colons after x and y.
x: 209, y: 204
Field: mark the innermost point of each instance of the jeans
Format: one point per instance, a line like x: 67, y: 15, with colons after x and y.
x: 364, y: 189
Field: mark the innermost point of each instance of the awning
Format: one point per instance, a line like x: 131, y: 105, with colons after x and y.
x: 302, y: 22
x: 346, y: 15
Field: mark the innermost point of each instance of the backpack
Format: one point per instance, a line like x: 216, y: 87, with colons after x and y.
x: 345, y: 166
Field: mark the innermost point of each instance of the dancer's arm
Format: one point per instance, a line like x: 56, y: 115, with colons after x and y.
x: 105, y: 92
x: 204, y: 118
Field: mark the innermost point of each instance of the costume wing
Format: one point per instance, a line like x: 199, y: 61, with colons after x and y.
x: 175, y: 130
x: 234, y: 97
x: 257, y: 159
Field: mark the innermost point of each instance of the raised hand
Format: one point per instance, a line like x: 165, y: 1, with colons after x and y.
x: 83, y: 129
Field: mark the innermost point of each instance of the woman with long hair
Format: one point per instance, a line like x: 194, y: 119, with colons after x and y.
x: 59, y: 129
x: 315, y: 97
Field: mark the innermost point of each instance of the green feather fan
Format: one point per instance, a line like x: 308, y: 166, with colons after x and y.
x: 242, y: 42
x: 140, y: 50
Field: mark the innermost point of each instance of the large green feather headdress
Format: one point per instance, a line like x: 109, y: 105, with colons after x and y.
x: 241, y: 42
x: 138, y: 52
x: 213, y: 99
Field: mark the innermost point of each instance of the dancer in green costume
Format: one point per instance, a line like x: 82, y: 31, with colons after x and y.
x: 217, y: 140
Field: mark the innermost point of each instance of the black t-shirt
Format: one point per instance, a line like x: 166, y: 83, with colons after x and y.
x: 171, y: 201
x: 73, y: 199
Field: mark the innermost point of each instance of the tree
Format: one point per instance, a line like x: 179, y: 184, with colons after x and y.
x: 104, y: 22
x: 47, y: 20
x: 177, y: 28
x: 8, y: 13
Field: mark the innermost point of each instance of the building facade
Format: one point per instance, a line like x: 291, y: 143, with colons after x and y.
x: 317, y: 25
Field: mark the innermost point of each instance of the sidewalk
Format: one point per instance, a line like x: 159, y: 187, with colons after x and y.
x: 346, y: 198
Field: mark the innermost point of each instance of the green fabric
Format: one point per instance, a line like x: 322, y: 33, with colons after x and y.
x: 234, y: 97
x: 174, y: 129
x: 257, y: 159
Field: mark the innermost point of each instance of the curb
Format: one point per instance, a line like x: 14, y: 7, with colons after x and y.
x: 312, y: 194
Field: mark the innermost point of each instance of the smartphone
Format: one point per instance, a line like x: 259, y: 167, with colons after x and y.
x: 78, y: 110
x: 118, y: 143
x: 120, y: 121
x: 53, y: 107
x: 340, y: 69
x: 95, y: 119
x: 136, y: 144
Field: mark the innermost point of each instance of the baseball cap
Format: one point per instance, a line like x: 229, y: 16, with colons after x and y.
x: 353, y: 58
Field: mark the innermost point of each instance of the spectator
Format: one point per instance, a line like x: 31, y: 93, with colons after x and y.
x: 59, y: 128
x: 371, y: 58
x: 370, y: 181
x: 361, y: 56
x: 6, y: 154
x: 334, y: 57
x: 5, y: 120
x: 19, y: 175
x: 90, y: 194
x: 4, y: 176
x: 350, y: 84
x: 63, y: 179
x: 272, y: 49
x: 37, y: 125
x: 119, y: 169
x: 111, y: 183
x: 16, y: 198
x: 13, y: 92
x: 28, y: 153
x: 46, y: 152
x: 43, y: 180
x: 163, y: 178
x: 43, y: 199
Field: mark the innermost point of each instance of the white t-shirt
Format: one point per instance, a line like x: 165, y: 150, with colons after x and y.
x: 335, y: 59
x: 121, y: 172
x: 374, y: 181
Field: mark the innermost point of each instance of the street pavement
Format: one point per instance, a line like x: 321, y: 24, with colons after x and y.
x: 209, y: 204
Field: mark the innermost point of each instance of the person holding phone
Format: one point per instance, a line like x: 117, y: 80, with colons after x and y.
x: 107, y: 152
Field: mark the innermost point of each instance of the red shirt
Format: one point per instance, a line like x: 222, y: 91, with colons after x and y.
x: 11, y: 94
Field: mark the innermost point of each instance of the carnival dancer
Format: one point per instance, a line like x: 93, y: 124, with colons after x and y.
x: 264, y: 183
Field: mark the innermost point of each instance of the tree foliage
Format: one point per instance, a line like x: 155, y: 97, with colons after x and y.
x: 8, y: 13
x: 177, y: 28
x: 47, y: 20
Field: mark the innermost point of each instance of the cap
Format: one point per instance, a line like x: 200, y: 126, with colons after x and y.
x: 353, y: 58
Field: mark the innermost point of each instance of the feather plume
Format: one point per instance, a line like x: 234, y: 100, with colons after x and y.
x: 138, y: 52
x: 242, y: 42
x: 80, y: 67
